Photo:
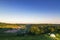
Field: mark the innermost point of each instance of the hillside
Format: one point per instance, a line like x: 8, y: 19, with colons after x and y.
x: 8, y: 25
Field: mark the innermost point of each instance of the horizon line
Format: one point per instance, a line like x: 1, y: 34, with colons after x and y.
x: 28, y: 23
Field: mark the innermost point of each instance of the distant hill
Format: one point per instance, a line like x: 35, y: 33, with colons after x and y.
x: 9, y: 25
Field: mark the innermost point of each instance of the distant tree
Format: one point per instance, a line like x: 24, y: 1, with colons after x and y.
x: 51, y: 28
x: 58, y: 29
x: 35, y: 30
x: 24, y: 31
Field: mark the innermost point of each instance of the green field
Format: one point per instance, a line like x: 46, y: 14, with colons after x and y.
x: 36, y: 37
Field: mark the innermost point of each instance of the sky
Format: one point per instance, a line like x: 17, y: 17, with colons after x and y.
x: 30, y: 11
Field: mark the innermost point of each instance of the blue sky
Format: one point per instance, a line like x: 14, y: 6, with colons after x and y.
x: 30, y: 11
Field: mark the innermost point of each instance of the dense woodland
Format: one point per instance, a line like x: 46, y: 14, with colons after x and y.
x: 29, y: 29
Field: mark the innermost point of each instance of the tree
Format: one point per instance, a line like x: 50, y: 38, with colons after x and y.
x: 35, y: 30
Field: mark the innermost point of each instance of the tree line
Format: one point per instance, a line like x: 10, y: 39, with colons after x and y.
x: 35, y: 29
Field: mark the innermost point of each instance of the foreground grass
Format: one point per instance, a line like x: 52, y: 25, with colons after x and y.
x: 40, y: 37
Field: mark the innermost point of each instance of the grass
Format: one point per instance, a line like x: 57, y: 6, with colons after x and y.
x: 36, y: 37
x: 28, y: 37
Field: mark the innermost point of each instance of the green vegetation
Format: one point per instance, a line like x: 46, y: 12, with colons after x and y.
x: 30, y: 37
x: 29, y: 31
